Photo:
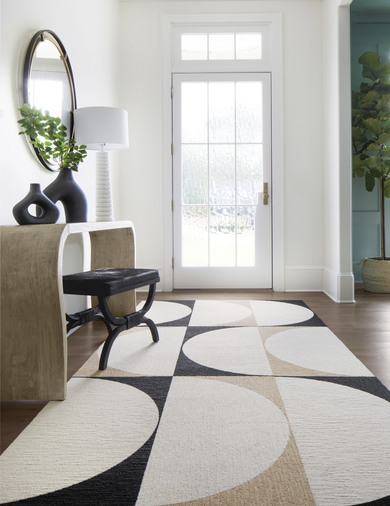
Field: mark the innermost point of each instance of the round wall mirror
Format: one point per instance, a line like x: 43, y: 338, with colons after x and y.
x: 48, y: 82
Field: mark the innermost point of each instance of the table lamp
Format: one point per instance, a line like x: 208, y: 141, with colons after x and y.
x: 102, y: 129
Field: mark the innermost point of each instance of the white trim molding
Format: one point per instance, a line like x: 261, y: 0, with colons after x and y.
x: 339, y: 286
x: 274, y: 65
x: 303, y: 279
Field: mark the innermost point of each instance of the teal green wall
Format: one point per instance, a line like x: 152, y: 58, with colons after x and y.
x: 367, y: 34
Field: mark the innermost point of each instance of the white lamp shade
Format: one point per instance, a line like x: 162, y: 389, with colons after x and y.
x: 101, y: 126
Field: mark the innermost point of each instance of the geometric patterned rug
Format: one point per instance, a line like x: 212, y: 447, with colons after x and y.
x: 240, y: 403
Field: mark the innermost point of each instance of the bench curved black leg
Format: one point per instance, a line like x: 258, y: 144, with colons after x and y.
x: 107, y: 347
x: 152, y: 327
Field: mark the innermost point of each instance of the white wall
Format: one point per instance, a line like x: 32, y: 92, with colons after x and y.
x: 338, y: 276
x: 89, y: 31
x: 143, y: 199
x: 316, y: 180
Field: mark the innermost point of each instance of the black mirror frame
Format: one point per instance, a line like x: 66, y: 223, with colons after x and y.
x: 40, y: 36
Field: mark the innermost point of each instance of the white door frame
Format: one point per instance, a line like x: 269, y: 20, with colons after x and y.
x: 274, y: 66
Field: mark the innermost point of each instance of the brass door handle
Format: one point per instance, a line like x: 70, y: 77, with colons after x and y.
x: 265, y: 194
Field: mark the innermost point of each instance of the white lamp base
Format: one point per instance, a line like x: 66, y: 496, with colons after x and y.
x: 104, y: 206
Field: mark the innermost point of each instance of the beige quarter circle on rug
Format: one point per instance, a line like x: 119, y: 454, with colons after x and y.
x: 315, y: 348
x: 238, y: 350
x: 207, y: 313
x: 269, y: 313
x: 135, y: 352
x: 165, y: 311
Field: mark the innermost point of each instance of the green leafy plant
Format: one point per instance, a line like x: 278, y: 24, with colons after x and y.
x: 49, y: 136
x: 371, y: 130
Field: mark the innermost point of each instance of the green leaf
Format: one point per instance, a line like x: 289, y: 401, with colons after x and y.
x: 383, y: 103
x: 372, y: 66
x: 359, y: 172
x: 387, y: 189
x: 383, y: 88
x: 374, y: 125
x: 357, y: 112
x: 355, y: 100
x: 373, y: 147
x: 357, y: 133
x: 369, y: 100
x: 384, y: 138
x: 370, y: 182
x: 372, y: 160
x: 366, y: 87
x: 386, y: 151
x: 376, y: 172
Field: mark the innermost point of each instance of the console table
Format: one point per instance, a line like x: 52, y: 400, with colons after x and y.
x: 33, y: 324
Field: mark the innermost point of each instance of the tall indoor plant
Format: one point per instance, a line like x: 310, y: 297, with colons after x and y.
x: 371, y: 153
x: 49, y: 136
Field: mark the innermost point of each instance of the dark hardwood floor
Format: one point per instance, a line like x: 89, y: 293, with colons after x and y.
x: 364, y: 327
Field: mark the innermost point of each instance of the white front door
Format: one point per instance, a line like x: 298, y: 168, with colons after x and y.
x: 221, y: 170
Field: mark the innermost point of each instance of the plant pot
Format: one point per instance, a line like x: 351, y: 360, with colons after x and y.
x: 376, y: 275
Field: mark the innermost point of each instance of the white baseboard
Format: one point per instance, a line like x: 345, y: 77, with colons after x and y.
x: 303, y: 279
x: 339, y: 286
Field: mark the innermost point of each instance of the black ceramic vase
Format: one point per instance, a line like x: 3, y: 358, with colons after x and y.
x: 47, y: 211
x: 65, y: 189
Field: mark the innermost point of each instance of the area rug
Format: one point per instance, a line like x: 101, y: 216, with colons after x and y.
x: 240, y: 403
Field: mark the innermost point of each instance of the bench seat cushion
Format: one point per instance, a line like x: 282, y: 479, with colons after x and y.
x: 108, y: 281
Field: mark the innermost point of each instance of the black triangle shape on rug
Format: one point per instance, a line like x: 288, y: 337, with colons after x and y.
x: 384, y: 501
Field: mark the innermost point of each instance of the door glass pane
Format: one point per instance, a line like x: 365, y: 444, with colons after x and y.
x: 249, y: 172
x: 222, y: 112
x: 194, y: 236
x: 222, y: 237
x: 194, y: 112
x: 194, y: 174
x: 194, y: 46
x: 246, y: 236
x: 221, y: 46
x: 221, y: 171
x: 249, y: 98
x: 248, y: 46
x: 222, y: 174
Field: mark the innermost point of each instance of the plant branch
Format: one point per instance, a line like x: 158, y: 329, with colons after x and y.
x: 48, y: 135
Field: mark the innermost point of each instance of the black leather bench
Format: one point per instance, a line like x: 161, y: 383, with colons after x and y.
x: 102, y: 283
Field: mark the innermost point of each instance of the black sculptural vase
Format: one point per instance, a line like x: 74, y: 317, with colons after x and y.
x: 65, y: 189
x: 47, y: 211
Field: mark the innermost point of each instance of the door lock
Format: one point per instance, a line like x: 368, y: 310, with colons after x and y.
x: 265, y: 194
